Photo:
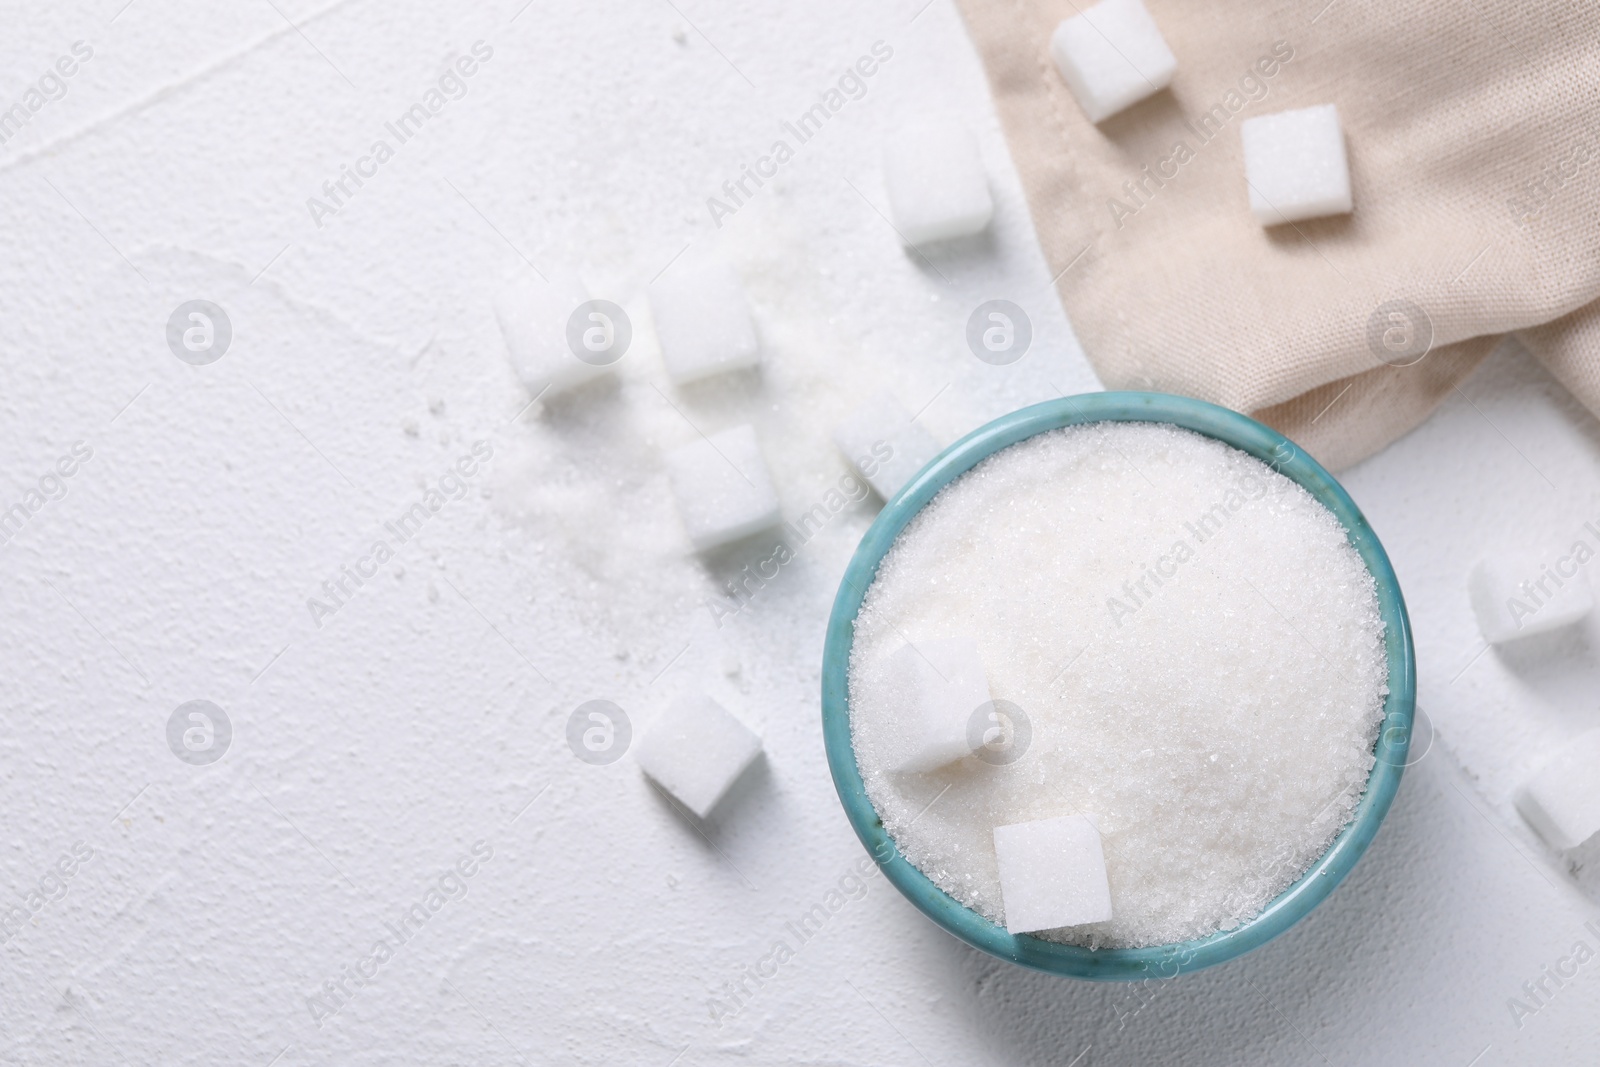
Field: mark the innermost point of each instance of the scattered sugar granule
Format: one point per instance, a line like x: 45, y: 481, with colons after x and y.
x: 1194, y: 643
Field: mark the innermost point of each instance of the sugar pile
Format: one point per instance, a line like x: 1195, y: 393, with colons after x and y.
x: 1197, y: 649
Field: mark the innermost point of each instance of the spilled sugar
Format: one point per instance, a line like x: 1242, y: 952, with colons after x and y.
x: 1196, y: 647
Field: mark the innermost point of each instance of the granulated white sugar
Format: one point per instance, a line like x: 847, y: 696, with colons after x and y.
x: 1197, y: 649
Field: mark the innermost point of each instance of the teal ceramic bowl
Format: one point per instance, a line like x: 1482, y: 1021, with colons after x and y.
x: 1120, y: 963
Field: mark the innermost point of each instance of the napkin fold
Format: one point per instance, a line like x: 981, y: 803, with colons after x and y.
x: 1473, y: 134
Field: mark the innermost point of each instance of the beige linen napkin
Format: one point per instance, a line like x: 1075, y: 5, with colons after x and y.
x: 1473, y: 133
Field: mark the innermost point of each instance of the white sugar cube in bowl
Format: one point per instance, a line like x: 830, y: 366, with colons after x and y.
x: 1195, y: 648
x: 696, y: 750
x: 938, y: 687
x: 1112, y: 55
x: 1052, y: 874
x: 1295, y: 165
x: 722, y: 486
x: 937, y: 186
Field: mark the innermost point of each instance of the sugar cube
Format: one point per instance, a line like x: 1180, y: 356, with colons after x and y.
x: 1052, y: 874
x: 696, y: 750
x: 938, y: 686
x: 937, y: 185
x: 703, y: 321
x: 1523, y: 592
x: 1562, y: 799
x: 884, y: 444
x: 1112, y: 55
x: 1295, y: 165
x: 722, y: 487
x: 533, y: 316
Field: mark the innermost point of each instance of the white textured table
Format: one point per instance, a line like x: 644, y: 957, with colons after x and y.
x: 416, y: 721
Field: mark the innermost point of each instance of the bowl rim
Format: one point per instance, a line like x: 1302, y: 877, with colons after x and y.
x: 1125, y: 964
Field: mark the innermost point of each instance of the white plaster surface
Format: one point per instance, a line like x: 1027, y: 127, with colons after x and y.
x: 429, y: 712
